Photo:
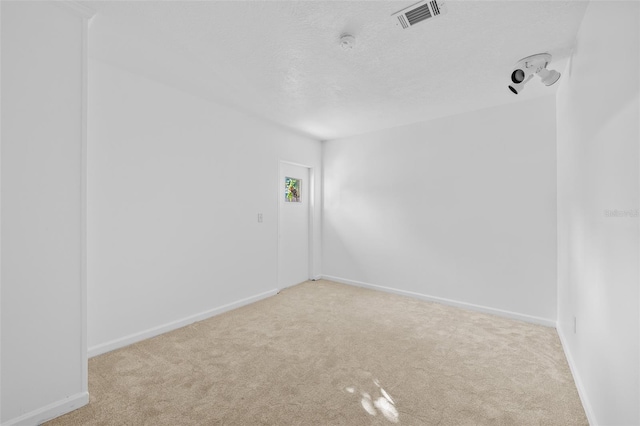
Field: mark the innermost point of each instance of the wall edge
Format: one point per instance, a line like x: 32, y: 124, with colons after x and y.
x: 51, y: 411
x: 586, y: 404
x: 455, y: 303
x: 174, y: 325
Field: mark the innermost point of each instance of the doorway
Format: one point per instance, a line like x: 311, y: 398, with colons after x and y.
x: 295, y: 190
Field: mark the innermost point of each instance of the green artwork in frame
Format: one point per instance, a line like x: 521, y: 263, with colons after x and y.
x: 292, y: 192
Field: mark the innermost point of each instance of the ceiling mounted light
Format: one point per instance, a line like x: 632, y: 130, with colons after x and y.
x: 347, y: 41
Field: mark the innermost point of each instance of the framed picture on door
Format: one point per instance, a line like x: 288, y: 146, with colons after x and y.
x: 292, y: 190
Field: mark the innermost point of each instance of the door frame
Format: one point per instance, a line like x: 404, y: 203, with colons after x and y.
x: 310, y: 212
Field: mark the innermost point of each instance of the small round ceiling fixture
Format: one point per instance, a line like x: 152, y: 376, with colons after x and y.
x: 347, y: 41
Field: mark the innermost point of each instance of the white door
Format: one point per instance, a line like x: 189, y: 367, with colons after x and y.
x: 293, y: 225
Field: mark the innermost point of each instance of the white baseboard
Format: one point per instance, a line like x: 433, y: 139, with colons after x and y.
x: 50, y: 411
x: 499, y: 312
x: 155, y: 331
x: 588, y: 409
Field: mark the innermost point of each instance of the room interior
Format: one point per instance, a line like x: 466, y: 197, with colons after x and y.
x: 142, y: 147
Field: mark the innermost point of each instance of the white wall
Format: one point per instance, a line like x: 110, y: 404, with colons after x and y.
x: 43, y: 346
x: 598, y: 114
x: 175, y: 184
x: 461, y: 208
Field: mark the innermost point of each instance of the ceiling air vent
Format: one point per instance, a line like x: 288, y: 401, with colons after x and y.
x: 418, y: 12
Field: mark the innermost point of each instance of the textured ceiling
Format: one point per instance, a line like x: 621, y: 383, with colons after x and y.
x: 281, y: 60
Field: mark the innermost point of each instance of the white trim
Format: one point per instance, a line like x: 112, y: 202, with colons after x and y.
x: 293, y: 163
x: 0, y: 205
x: 78, y: 8
x: 312, y: 192
x: 156, y: 331
x: 470, y: 306
x: 311, y: 207
x: 83, y: 205
x: 50, y: 411
x: 588, y: 409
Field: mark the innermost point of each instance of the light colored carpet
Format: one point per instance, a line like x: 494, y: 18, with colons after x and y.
x: 323, y: 353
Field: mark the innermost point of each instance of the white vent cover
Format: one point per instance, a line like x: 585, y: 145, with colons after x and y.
x: 419, y: 12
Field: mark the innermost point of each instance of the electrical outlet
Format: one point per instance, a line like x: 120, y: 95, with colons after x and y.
x: 259, y: 217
